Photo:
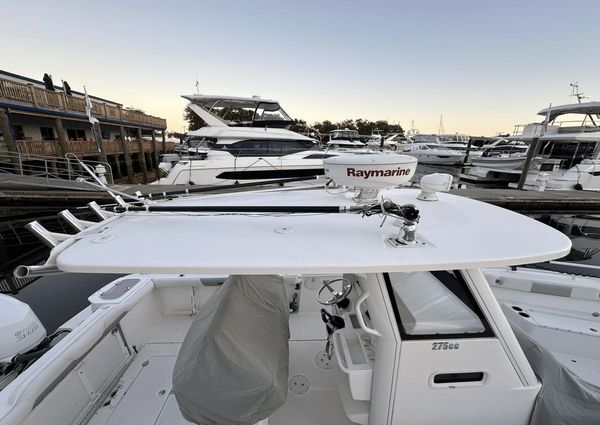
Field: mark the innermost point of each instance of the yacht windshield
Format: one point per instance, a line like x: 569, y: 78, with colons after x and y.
x: 199, y: 142
x: 430, y: 304
x: 345, y: 135
x: 270, y: 112
x: 251, y: 113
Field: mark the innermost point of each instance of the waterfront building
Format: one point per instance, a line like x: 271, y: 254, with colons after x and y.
x: 38, y: 118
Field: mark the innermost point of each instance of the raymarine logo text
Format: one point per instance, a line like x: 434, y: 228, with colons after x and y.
x: 365, y: 174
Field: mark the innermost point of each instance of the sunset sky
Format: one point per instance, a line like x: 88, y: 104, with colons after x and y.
x: 484, y: 65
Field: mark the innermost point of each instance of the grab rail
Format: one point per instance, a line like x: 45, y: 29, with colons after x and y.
x: 359, y: 316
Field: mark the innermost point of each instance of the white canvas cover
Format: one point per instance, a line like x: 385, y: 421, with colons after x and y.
x: 232, y: 368
x: 565, y: 398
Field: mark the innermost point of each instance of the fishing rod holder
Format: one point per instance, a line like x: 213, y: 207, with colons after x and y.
x: 408, y: 233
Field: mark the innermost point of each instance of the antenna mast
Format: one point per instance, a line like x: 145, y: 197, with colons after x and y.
x: 441, y: 127
x: 197, y: 84
x: 575, y: 91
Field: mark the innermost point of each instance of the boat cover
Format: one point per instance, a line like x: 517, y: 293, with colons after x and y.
x: 565, y: 398
x: 232, y: 368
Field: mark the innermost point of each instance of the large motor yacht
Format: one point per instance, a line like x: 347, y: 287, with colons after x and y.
x: 246, y: 140
x: 363, y: 303
x: 567, y: 156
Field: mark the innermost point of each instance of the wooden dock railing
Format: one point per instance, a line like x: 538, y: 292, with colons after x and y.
x: 53, y: 100
x: 51, y: 148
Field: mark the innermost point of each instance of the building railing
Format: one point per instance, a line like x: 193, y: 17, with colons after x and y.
x: 51, y: 148
x: 48, y: 167
x: 47, y: 99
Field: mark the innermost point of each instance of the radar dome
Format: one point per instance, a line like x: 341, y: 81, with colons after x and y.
x: 370, y: 171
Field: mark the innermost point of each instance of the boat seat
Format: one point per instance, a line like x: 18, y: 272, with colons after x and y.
x: 232, y: 368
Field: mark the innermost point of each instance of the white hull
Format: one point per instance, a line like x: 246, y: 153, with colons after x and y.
x: 436, y: 158
x: 222, y: 169
x: 585, y: 176
x: 504, y: 163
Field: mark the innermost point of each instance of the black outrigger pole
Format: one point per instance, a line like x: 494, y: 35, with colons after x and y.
x: 387, y: 207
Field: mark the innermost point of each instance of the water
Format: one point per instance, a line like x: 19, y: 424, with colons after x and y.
x: 56, y: 298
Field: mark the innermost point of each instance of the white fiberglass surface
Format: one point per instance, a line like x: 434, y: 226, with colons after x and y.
x: 426, y: 306
x: 144, y: 393
x: 449, y: 228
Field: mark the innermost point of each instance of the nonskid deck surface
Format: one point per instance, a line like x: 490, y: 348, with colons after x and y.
x: 144, y: 393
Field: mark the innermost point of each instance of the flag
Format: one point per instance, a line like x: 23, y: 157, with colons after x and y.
x: 88, y: 108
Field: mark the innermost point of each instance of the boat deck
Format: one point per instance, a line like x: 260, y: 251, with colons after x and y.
x: 144, y: 394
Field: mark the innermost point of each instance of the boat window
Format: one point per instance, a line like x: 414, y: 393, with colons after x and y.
x: 270, y: 112
x: 345, y: 135
x: 286, y: 147
x: 201, y: 142
x: 249, y: 148
x: 431, y: 304
x: 258, y: 147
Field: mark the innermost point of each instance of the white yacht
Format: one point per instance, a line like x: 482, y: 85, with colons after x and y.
x: 224, y: 155
x: 433, y: 153
x: 458, y: 142
x: 378, y: 141
x: 567, y: 155
x: 502, y: 154
x: 345, y: 139
x: 303, y: 307
x: 245, y: 141
x: 394, y: 141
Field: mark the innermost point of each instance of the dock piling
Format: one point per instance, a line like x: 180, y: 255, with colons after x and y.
x: 530, y: 154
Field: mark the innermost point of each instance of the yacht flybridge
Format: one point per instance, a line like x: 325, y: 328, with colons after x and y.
x: 246, y: 140
x: 362, y: 303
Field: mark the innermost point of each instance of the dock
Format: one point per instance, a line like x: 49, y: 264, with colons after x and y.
x: 532, y: 202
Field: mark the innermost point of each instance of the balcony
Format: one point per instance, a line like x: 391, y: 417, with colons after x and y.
x: 53, y: 101
x: 51, y: 148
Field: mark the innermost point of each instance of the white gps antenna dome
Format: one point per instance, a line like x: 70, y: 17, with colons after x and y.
x: 432, y: 183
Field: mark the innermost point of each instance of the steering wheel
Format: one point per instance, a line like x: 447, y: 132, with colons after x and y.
x: 338, y: 290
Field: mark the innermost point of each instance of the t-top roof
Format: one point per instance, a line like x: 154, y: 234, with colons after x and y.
x: 218, y: 100
x: 587, y: 108
x: 456, y: 233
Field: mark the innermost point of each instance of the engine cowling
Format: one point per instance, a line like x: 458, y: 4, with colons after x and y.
x: 20, y: 328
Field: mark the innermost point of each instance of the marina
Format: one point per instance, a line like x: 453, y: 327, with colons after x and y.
x: 223, y: 217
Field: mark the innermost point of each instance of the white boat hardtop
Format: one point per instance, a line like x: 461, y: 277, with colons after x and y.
x: 310, y: 243
x: 587, y: 108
